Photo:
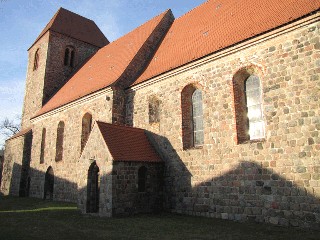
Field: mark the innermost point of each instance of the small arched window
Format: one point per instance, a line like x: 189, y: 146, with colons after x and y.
x: 36, y: 60
x: 66, y: 57
x: 43, y: 143
x: 69, y: 56
x: 154, y: 110
x: 72, y: 58
x: 192, y: 117
x: 86, y: 129
x: 142, y: 179
x: 59, y: 142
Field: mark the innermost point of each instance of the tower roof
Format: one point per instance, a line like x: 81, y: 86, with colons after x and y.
x: 106, y: 66
x: 75, y: 26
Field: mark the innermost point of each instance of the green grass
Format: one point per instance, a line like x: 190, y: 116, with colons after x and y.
x: 29, y: 218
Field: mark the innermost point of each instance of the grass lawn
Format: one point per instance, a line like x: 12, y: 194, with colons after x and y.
x: 29, y: 218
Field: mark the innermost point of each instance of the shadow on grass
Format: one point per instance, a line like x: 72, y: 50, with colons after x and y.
x: 65, y: 222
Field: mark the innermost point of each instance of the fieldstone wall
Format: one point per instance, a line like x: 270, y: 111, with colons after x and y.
x: 42, y: 83
x: 275, y: 179
x: 96, y: 151
x: 12, y: 166
x: 65, y: 188
x: 35, y: 80
x: 127, y: 200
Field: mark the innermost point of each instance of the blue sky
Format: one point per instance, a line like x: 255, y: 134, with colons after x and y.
x: 21, y: 21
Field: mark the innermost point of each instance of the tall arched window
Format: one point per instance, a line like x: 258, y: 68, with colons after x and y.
x: 142, y: 179
x: 86, y: 129
x: 197, y: 117
x: 69, y: 56
x: 254, y: 107
x: 59, y: 142
x: 43, y: 143
x: 154, y: 110
x: 36, y: 60
x: 192, y: 117
x: 248, y: 105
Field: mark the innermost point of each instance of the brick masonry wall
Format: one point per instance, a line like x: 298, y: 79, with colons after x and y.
x: 126, y: 198
x: 273, y: 180
x: 57, y: 73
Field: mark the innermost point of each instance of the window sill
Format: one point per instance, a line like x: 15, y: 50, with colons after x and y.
x: 253, y: 141
x: 193, y: 148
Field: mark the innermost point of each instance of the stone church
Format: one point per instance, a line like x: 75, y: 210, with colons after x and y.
x: 215, y: 113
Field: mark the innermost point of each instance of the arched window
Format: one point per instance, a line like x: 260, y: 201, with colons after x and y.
x: 197, y: 117
x: 66, y: 57
x: 43, y: 143
x: 86, y: 129
x: 142, y: 179
x: 36, y: 60
x: 154, y: 110
x: 192, y: 117
x: 248, y: 106
x: 254, y: 107
x: 69, y: 56
x: 59, y: 142
x: 72, y: 58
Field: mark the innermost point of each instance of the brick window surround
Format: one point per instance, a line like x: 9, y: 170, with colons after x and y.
x: 86, y: 129
x: 36, y: 60
x: 248, y: 105
x: 192, y: 117
x: 69, y: 56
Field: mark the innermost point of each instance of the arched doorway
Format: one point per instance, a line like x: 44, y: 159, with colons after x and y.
x: 93, y: 189
x: 48, y: 184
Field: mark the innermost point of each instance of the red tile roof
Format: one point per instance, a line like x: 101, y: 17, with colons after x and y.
x: 128, y: 143
x: 218, y: 24
x: 75, y: 26
x: 105, y: 67
x: 21, y: 133
x: 210, y: 27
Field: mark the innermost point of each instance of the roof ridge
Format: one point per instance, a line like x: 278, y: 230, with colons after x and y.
x: 121, y: 126
x: 61, y: 8
x: 163, y: 13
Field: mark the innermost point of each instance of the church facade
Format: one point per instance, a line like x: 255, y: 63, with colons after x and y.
x: 214, y: 114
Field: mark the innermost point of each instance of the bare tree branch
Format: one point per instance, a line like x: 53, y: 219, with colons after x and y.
x: 9, y: 127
